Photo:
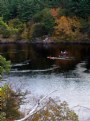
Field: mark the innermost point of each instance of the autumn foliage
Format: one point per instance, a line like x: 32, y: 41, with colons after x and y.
x: 61, y: 19
x: 69, y: 28
x: 54, y: 12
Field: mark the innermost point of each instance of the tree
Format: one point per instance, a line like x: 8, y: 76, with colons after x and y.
x: 38, y: 30
x: 47, y: 19
x: 7, y: 31
x: 26, y: 10
x: 50, y: 111
x: 10, y: 103
x: 55, y: 112
x: 9, y: 99
x: 80, y: 8
x: 4, y: 65
x: 68, y: 28
x: 8, y: 9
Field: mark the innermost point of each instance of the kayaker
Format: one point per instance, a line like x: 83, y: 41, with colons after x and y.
x: 63, y: 53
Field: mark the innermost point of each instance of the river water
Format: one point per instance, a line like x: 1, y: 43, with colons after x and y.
x: 33, y: 71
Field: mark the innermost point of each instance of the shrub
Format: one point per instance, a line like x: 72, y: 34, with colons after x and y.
x: 38, y: 30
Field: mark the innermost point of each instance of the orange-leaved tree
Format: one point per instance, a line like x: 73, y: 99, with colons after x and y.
x: 67, y: 28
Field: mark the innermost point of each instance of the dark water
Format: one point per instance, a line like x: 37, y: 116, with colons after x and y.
x: 28, y: 56
x: 33, y: 71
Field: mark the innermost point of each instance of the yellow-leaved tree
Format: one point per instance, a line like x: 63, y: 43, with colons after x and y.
x: 67, y: 28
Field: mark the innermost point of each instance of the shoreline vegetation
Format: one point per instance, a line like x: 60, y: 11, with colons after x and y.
x: 53, y: 21
x: 39, y: 41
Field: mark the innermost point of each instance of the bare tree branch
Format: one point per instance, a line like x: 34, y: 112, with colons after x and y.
x: 33, y: 111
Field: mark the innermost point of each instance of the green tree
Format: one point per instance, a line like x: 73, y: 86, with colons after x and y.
x: 9, y: 99
x: 47, y: 19
x: 6, y: 31
x: 26, y: 10
x: 80, y: 8
x: 4, y: 65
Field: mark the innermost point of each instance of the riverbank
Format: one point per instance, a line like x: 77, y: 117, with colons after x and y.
x: 42, y: 42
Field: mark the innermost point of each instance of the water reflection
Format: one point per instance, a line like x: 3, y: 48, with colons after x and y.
x: 71, y: 78
x: 37, y: 54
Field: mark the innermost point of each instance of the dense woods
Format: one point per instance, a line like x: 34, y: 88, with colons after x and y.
x: 59, y: 19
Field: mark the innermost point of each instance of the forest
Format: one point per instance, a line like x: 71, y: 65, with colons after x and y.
x: 61, y: 20
x: 32, y: 21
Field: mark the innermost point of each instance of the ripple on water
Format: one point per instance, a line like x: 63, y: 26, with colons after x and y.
x: 72, y: 86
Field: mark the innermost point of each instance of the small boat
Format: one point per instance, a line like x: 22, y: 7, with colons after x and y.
x: 60, y: 58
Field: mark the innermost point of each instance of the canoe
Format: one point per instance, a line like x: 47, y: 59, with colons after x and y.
x: 60, y: 58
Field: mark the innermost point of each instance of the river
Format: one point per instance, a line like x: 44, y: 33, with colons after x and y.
x: 33, y: 71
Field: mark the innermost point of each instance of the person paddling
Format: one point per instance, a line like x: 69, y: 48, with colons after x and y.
x: 63, y: 53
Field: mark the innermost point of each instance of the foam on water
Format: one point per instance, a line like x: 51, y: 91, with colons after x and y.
x: 38, y: 70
